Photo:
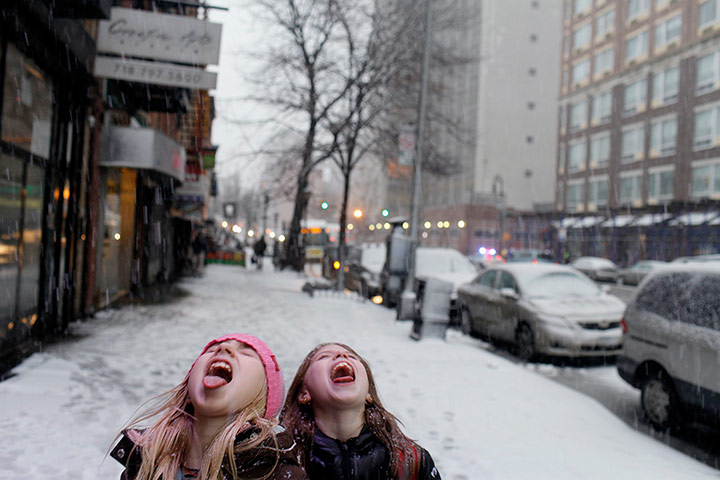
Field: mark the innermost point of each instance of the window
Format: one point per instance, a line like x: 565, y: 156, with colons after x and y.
x: 661, y: 295
x: 666, y: 86
x: 533, y: 37
x: 600, y: 150
x: 531, y: 105
x: 563, y: 119
x: 578, y: 116
x: 506, y: 281
x: 701, y: 306
x: 529, y: 139
x: 582, y: 36
x: 630, y: 188
x: 575, y: 194
x: 636, y: 47
x: 707, y: 13
x: 605, y: 24
x: 637, y: 8
x: 706, y: 127
x: 706, y: 178
x: 604, y: 61
x: 632, y: 143
x: 707, y: 72
x: 565, y: 77
x: 581, y: 71
x: 668, y: 31
x: 598, y: 191
x: 582, y: 6
x: 663, y: 134
x: 487, y: 279
x: 661, y: 185
x: 576, y: 156
x: 602, y: 108
x: 532, y: 71
x: 635, y: 97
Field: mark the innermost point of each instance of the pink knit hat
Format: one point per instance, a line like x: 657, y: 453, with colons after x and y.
x: 275, y: 384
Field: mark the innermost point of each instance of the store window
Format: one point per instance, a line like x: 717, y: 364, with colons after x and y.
x: 27, y: 105
x: 10, y: 214
x: 31, y: 235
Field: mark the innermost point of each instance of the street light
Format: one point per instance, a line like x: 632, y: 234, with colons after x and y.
x: 357, y: 213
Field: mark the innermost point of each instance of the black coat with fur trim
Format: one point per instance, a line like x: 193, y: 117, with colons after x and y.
x: 363, y: 457
x: 257, y: 463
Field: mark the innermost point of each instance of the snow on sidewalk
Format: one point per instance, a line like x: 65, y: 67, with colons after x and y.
x: 481, y: 416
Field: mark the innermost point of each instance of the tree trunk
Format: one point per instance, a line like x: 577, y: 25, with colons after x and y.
x: 343, y: 224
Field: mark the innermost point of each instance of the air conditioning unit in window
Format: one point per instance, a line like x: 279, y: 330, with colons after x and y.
x: 653, y: 153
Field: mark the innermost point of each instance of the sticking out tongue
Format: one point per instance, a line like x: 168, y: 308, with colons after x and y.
x: 213, y: 381
x: 344, y: 379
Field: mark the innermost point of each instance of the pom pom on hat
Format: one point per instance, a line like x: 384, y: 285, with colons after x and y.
x: 275, y: 384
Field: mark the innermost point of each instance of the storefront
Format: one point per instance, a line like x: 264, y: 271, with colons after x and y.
x: 44, y: 105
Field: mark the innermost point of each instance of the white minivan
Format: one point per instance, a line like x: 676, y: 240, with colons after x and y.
x: 671, y: 344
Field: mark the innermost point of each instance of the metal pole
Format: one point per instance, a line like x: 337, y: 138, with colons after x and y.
x: 417, y: 178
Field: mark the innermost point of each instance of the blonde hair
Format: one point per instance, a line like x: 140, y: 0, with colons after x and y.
x: 165, y: 442
x: 299, y: 420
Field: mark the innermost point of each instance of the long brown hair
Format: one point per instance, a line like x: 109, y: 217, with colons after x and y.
x: 164, y: 443
x: 299, y: 420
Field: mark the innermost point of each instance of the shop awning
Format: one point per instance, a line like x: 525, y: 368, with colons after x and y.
x: 142, y: 148
x: 566, y: 222
x: 651, y: 219
x: 618, y: 221
x: 693, y: 218
x: 587, y: 222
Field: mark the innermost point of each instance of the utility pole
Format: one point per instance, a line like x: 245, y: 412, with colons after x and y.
x: 417, y: 177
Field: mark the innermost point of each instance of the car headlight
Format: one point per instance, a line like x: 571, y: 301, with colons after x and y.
x: 555, y: 320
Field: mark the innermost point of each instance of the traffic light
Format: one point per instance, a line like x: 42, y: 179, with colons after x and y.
x: 385, y: 212
x: 324, y: 205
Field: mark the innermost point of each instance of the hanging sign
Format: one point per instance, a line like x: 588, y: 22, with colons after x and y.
x: 157, y: 36
x: 157, y: 73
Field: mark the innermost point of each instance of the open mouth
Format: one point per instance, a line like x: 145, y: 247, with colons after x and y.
x: 219, y: 373
x: 342, y: 372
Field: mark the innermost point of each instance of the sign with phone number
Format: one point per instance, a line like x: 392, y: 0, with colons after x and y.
x: 157, y: 73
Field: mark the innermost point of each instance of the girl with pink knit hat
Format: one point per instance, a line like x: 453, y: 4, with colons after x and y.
x: 219, y: 423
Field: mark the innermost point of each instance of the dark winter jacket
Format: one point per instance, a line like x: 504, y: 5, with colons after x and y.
x: 257, y: 463
x: 364, y: 457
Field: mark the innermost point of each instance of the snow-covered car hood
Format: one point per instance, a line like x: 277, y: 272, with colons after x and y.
x: 580, y: 308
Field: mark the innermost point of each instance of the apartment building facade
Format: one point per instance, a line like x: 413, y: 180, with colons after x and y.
x: 639, y: 104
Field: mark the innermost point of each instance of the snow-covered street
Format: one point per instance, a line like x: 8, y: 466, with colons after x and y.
x: 480, y: 415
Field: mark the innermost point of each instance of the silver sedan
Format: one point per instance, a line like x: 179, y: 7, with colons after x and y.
x: 542, y: 309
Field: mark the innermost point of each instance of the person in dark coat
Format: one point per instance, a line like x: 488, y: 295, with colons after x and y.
x: 259, y: 249
x: 219, y: 423
x: 335, y: 415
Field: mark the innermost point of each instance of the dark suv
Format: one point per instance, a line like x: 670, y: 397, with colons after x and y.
x: 671, y: 344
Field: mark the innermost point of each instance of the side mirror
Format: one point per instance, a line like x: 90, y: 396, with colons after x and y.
x: 509, y: 293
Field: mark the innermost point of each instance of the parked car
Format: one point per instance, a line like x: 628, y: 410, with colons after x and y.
x: 362, y: 270
x: 633, y: 275
x: 600, y: 269
x: 446, y: 264
x: 671, y: 337
x: 698, y: 258
x: 546, y: 309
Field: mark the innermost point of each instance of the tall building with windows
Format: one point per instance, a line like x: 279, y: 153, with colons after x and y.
x: 639, y: 109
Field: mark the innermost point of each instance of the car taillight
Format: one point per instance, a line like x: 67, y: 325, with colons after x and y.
x: 623, y: 324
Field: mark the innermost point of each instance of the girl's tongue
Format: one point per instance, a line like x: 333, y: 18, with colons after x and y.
x: 212, y: 381
x: 342, y: 373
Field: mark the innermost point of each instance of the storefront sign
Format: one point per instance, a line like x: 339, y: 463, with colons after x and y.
x: 157, y: 36
x: 157, y: 73
x: 194, y: 189
x: 142, y: 148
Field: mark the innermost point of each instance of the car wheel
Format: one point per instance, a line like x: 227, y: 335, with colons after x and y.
x: 524, y: 342
x: 659, y: 401
x: 465, y: 321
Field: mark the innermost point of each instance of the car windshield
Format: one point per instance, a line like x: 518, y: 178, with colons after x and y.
x: 430, y: 262
x: 559, y: 285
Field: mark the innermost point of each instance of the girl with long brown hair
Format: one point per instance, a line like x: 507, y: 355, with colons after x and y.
x: 219, y: 423
x: 334, y: 412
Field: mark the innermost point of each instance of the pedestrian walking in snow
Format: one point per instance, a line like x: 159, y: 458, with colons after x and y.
x: 259, y: 249
x: 219, y: 423
x: 344, y: 433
